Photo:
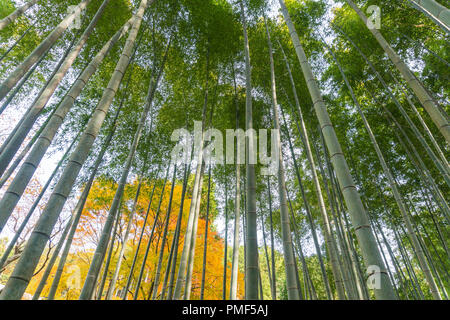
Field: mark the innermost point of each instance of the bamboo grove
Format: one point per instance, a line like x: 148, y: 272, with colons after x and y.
x: 94, y: 206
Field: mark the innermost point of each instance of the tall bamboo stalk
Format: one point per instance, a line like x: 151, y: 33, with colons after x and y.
x: 359, y: 217
x: 18, y: 73
x: 425, y: 99
x: 112, y: 283
x: 164, y: 236
x: 181, y: 282
x: 187, y: 170
x: 237, y: 208
x: 288, y: 251
x: 101, y: 247
x: 24, y: 269
x: 251, y: 268
x: 327, y: 229
x: 108, y: 260
x: 193, y: 240
x: 205, y: 242
x: 393, y: 185
x: 23, y: 176
x: 33, y: 207
x: 150, y: 240
x: 84, y: 195
x: 16, y: 13
x: 272, y: 242
x: 141, y: 237
x: 38, y: 105
x: 52, y: 261
x: 225, y: 252
x: 435, y: 11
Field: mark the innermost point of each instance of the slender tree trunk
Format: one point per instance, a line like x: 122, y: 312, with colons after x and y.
x: 205, y: 242
x: 17, y: 41
x: 52, y: 261
x: 38, y: 105
x: 435, y: 11
x: 237, y: 209
x: 193, y: 240
x: 307, y: 278
x: 17, y: 74
x: 272, y: 242
x: 112, y: 283
x: 187, y: 170
x: 401, y: 205
x: 33, y: 207
x: 17, y: 13
x: 289, y: 260
x: 171, y: 264
x: 150, y: 240
x: 23, y: 176
x: 133, y: 264
x: 359, y: 217
x: 190, y: 234
x: 108, y: 261
x: 346, y: 243
x: 225, y: 253
x: 164, y: 237
x: 425, y: 99
x: 269, y: 272
x: 17, y: 283
x: 308, y: 210
x: 337, y: 194
x: 251, y: 271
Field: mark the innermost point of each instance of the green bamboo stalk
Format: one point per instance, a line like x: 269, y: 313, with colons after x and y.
x: 107, y: 262
x: 288, y: 251
x: 150, y: 240
x: 18, y: 185
x: 133, y: 264
x: 237, y: 208
x: 38, y: 105
x: 16, y: 13
x: 205, y: 243
x: 24, y: 269
x: 33, y: 207
x: 308, y: 209
x: 435, y: 11
x: 164, y: 237
x: 187, y: 170
x: 359, y: 217
x: 52, y: 261
x: 84, y: 195
x: 48, y: 42
x: 251, y: 269
x: 425, y: 99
